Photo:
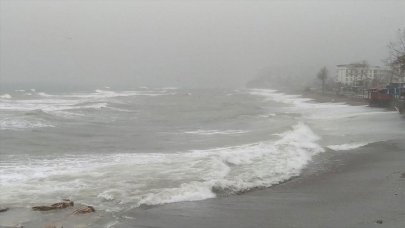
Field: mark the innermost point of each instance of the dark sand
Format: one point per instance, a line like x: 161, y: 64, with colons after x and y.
x: 364, y: 187
x: 353, y: 188
x: 358, y: 188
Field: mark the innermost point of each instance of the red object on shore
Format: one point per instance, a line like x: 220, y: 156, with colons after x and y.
x: 380, y: 97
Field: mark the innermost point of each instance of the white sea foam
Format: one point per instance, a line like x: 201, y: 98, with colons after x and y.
x: 18, y: 113
x: 5, y: 96
x: 127, y: 180
x: 19, y: 123
x: 44, y: 94
x: 347, y: 146
x: 50, y: 102
x: 314, y: 110
x: 69, y: 106
x: 37, y: 104
x: 216, y: 132
x: 170, y: 88
x: 296, y: 100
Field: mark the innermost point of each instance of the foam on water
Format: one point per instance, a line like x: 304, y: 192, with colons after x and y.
x: 19, y: 123
x: 121, y: 181
x: 48, y: 102
x: 296, y: 100
x: 347, y: 146
x: 5, y: 96
x: 314, y: 110
x: 63, y: 105
x: 338, y: 122
x: 215, y: 132
x: 44, y: 94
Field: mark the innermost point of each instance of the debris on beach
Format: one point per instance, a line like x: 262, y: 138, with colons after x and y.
x: 84, y: 210
x: 3, y: 209
x: 60, y: 205
x: 64, y: 204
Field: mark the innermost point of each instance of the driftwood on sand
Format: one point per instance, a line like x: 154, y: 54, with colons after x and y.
x: 60, y: 205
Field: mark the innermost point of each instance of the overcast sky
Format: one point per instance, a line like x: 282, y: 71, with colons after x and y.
x: 184, y: 43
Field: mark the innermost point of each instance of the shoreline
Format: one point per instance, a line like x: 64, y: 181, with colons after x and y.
x: 316, y: 188
x: 358, y: 188
x: 323, y: 98
x: 317, y: 96
x: 354, y: 188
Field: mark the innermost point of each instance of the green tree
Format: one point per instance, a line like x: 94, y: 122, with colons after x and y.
x: 323, y: 75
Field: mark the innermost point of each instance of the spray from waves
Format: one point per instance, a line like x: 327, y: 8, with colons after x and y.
x: 124, y: 181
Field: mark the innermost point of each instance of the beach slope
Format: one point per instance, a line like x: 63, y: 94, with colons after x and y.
x: 364, y: 187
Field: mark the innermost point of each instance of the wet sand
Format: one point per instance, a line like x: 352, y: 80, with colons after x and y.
x: 364, y: 187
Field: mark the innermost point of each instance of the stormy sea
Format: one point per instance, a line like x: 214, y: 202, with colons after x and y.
x: 121, y: 150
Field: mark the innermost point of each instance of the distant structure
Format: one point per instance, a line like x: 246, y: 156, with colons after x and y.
x: 398, y: 70
x: 362, y: 75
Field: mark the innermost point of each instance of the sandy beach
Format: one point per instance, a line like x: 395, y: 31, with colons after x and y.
x: 358, y: 188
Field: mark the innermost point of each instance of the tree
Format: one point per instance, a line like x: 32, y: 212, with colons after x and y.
x: 396, y: 59
x: 323, y: 75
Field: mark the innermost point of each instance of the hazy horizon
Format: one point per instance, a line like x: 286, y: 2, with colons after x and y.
x: 71, y: 44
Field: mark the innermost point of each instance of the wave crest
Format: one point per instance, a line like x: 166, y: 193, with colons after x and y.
x: 131, y: 180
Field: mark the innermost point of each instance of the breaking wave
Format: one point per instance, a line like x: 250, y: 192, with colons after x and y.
x: 69, y: 106
x: 130, y: 180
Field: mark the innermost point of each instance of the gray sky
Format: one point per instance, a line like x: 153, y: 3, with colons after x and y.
x: 186, y: 43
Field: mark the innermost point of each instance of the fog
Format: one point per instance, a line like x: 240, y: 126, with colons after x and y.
x: 72, y: 44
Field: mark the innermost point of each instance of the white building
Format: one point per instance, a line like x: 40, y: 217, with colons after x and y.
x: 359, y: 74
